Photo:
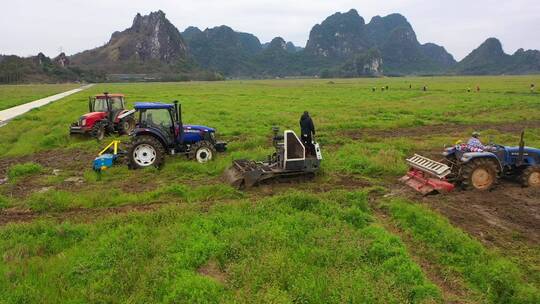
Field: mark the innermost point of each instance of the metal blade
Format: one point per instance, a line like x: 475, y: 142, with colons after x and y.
x: 234, y: 177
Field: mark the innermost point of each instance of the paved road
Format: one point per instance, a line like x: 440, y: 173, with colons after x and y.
x: 11, y: 113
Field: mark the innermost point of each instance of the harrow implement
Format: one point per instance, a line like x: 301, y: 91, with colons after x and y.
x: 427, y: 176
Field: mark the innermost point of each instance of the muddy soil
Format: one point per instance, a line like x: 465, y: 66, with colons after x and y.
x: 445, y: 129
x: 16, y: 215
x: 500, y: 217
x: 62, y: 159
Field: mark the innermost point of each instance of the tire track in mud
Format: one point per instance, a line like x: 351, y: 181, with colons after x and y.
x: 506, y: 219
x: 453, y: 289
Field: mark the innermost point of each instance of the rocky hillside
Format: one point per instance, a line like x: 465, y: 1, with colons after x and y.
x: 342, y: 45
x: 152, y: 45
x: 222, y: 49
x: 490, y: 59
x: 346, y: 35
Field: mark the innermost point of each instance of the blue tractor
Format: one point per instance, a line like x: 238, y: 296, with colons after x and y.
x: 160, y: 131
x: 478, y: 170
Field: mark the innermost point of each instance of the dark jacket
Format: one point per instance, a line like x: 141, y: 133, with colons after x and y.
x: 306, y: 125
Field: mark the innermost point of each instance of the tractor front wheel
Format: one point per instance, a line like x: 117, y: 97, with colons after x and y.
x: 145, y: 151
x: 479, y: 174
x: 530, y: 177
x: 98, y: 131
x: 202, y: 151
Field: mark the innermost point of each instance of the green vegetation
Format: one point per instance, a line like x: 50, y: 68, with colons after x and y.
x: 291, y: 248
x: 21, y: 170
x: 179, y: 234
x: 493, y: 275
x: 14, y: 95
x: 59, y: 200
x: 353, y: 107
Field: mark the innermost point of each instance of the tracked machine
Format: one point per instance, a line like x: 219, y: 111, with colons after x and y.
x: 474, y: 169
x: 291, y: 159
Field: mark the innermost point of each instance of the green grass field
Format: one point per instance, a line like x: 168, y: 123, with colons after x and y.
x: 351, y: 235
x: 14, y: 95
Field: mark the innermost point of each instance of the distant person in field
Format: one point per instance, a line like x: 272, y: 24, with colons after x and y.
x: 477, y: 88
x: 410, y: 86
x: 425, y: 88
x: 308, y: 131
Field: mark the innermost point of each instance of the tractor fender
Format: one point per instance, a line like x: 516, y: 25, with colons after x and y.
x: 124, y: 114
x: 469, y: 156
x: 149, y: 132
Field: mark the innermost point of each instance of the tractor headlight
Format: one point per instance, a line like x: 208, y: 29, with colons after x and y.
x: 212, y: 135
x: 83, y: 122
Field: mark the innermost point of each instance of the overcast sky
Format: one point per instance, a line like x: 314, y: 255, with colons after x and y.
x: 30, y: 26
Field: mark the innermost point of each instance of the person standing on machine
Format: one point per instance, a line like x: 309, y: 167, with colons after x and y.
x: 308, y: 131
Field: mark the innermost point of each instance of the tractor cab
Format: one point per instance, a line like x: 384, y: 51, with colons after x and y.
x: 109, y: 104
x: 162, y: 120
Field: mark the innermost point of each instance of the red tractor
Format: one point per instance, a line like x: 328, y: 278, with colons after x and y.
x: 107, y: 115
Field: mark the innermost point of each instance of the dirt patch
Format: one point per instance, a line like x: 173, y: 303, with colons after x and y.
x: 134, y: 185
x: 16, y: 215
x: 23, y: 188
x: 507, y: 214
x: 446, y: 129
x: 212, y: 270
x: 313, y: 185
x: 72, y: 159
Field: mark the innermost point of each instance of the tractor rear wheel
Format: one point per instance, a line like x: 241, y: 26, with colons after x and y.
x: 126, y: 125
x: 202, y: 151
x: 530, y: 177
x: 145, y: 151
x: 98, y: 131
x: 479, y: 174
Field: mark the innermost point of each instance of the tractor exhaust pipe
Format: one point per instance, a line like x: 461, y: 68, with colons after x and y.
x: 521, y: 149
x: 178, y: 109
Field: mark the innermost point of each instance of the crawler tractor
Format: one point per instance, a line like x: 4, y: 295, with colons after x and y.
x: 478, y: 170
x: 160, y: 131
x: 107, y: 114
x: 292, y: 159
